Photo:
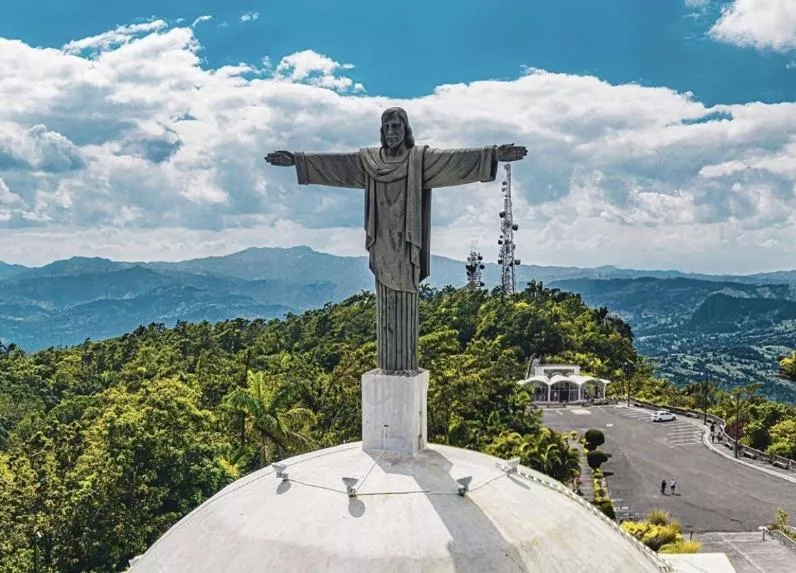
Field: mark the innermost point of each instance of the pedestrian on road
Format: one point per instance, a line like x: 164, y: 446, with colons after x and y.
x: 663, y: 487
x: 713, y: 427
x: 672, y: 486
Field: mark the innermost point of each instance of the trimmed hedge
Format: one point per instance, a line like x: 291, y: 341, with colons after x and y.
x: 595, y: 459
x: 604, y: 504
x: 594, y: 439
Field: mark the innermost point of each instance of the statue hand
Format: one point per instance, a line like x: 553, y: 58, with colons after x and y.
x: 511, y: 152
x: 281, y: 159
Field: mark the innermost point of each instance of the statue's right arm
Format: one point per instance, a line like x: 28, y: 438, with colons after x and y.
x: 329, y: 169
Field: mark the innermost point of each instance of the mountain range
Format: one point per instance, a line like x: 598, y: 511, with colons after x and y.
x: 730, y: 328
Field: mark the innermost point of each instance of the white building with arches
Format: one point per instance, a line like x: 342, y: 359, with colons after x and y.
x: 564, y: 383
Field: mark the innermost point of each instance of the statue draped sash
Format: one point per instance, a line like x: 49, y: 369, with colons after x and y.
x: 418, y: 201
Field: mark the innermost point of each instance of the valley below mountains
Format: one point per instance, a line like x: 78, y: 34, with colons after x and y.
x: 729, y: 328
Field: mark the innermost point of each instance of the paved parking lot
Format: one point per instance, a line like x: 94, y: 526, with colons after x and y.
x: 715, y: 494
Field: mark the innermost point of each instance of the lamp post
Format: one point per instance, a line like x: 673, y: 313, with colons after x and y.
x: 36, y: 537
x: 627, y: 381
x: 705, y: 374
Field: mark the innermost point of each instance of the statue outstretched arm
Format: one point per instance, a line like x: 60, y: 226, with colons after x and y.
x: 330, y: 169
x: 448, y: 167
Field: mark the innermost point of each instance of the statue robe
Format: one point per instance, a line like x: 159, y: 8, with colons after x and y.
x: 398, y: 225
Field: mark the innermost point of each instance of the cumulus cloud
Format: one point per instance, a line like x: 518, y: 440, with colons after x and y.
x: 114, y: 38
x: 250, y: 16
x: 125, y: 145
x: 200, y: 19
x: 762, y: 24
x: 37, y: 149
x: 316, y: 69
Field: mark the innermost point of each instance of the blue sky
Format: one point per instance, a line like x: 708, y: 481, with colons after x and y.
x: 661, y: 133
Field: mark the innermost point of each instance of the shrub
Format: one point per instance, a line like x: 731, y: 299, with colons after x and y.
x: 681, y: 547
x: 604, y: 504
x: 595, y: 459
x: 594, y: 439
x: 598, y: 489
x: 658, y: 517
x: 780, y: 523
x: 652, y: 535
x: 660, y: 535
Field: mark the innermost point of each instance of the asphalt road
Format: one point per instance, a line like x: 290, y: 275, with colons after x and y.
x: 714, y: 493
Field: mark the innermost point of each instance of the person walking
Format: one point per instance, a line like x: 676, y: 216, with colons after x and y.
x: 672, y: 485
x: 663, y: 487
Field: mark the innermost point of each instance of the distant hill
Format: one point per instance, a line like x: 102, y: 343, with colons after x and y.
x: 734, y: 327
x: 733, y: 332
x: 7, y: 270
x: 734, y: 313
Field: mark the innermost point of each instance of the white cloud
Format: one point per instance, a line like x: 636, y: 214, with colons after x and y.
x: 250, y: 16
x: 316, y: 69
x: 38, y: 149
x: 200, y: 19
x: 762, y: 24
x: 125, y: 146
x: 114, y: 38
x: 7, y: 197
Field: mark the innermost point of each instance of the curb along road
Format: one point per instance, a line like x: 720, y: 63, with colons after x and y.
x: 711, y: 447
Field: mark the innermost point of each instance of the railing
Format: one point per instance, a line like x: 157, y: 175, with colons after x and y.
x: 780, y: 536
x: 729, y: 442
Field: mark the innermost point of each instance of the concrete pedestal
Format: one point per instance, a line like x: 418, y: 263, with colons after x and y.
x: 394, y: 412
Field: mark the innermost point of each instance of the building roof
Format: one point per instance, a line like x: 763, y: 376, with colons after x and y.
x: 406, y: 516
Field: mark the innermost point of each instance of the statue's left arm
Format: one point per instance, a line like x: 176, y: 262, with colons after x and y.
x: 448, y: 167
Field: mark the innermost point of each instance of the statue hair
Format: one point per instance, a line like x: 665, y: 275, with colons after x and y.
x: 409, y: 139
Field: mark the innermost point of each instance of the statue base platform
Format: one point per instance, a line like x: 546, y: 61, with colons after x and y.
x: 394, y: 411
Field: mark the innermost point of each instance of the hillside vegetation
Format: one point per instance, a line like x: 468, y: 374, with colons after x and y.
x: 105, y: 445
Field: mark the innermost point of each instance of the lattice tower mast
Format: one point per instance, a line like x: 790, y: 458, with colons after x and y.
x: 474, y: 267
x: 506, y: 258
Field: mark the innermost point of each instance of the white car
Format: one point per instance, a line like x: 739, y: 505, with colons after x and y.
x: 663, y: 416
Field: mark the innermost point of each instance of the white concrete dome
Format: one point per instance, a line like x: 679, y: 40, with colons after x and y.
x: 406, y: 516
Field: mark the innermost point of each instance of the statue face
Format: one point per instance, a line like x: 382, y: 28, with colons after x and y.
x: 394, y: 131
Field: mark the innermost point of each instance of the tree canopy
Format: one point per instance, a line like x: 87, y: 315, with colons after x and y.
x: 105, y: 445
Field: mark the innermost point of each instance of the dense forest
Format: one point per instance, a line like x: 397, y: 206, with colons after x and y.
x: 105, y: 445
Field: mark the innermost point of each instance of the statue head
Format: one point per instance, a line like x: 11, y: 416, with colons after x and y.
x: 395, y: 129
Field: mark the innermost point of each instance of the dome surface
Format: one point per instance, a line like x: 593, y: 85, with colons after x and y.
x: 406, y: 516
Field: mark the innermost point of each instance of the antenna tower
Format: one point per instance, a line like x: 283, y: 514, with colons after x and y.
x: 506, y: 258
x: 474, y: 267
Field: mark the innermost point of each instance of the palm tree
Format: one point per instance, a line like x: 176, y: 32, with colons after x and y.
x: 235, y: 461
x: 277, y: 426
x: 550, y: 453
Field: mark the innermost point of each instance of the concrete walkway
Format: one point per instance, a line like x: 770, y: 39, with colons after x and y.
x: 749, y: 553
x: 586, y: 475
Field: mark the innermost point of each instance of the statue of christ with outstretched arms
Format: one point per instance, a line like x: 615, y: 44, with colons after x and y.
x: 397, y: 179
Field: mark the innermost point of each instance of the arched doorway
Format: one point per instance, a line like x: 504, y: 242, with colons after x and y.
x: 593, y: 389
x: 563, y: 391
x: 539, y: 387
